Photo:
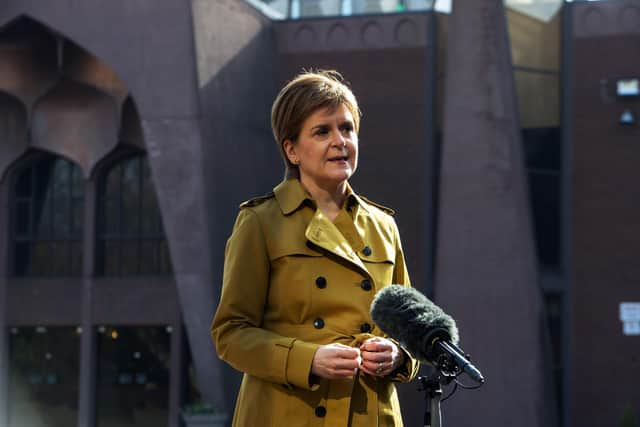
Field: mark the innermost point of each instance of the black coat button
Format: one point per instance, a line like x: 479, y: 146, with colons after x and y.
x: 366, y: 251
x: 366, y: 285
x: 310, y: 244
x: 321, y: 411
x: 321, y: 282
x: 365, y: 328
x: 318, y: 323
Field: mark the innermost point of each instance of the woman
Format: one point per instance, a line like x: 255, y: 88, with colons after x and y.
x: 301, y: 269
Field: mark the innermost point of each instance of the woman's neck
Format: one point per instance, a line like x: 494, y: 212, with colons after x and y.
x: 329, y: 199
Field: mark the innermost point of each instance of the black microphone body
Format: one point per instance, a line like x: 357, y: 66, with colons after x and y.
x: 422, y: 328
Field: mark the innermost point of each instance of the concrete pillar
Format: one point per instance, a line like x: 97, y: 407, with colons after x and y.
x: 175, y: 155
x: 87, y: 376
x: 486, y: 272
x: 4, y: 337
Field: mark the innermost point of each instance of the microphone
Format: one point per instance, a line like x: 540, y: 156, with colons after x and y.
x: 420, y: 326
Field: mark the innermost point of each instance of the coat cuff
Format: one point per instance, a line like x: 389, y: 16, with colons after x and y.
x: 299, y: 365
x: 408, y: 370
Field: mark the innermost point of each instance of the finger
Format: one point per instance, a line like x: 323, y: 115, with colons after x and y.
x: 373, y: 366
x: 369, y: 371
x: 341, y: 367
x: 370, y: 343
x: 375, y: 370
x: 372, y: 356
x: 343, y: 364
x: 347, y: 353
x: 376, y: 346
x: 338, y: 345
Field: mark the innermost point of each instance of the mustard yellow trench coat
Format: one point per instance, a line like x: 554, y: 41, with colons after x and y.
x: 294, y: 280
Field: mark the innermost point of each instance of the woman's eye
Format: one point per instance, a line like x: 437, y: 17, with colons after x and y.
x: 321, y: 131
x: 347, y: 128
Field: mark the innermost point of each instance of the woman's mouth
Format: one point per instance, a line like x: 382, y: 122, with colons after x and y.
x: 339, y: 159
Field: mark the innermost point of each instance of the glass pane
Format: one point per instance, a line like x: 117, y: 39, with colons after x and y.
x: 538, y: 99
x: 22, y: 258
x: 47, y: 214
x: 131, y: 197
x: 535, y: 32
x: 61, y: 217
x: 62, y: 178
x: 151, y: 224
x: 42, y: 216
x: 111, y: 260
x: 131, y: 174
x: 165, y: 259
x: 77, y: 217
x: 554, y: 309
x: 133, y: 377
x: 542, y: 148
x: 307, y: 8
x: 76, y: 258
x: 111, y: 217
x: 42, y: 199
x: 149, y: 257
x: 130, y: 257
x: 280, y: 7
x: 375, y: 6
x: 145, y: 169
x: 421, y: 4
x: 112, y: 185
x: 23, y: 184
x: 41, y: 262
x: 130, y: 215
x: 545, y: 192
x: 77, y: 184
x: 43, y: 384
x: 193, y: 394
x: 23, y: 212
x: 150, y: 213
x: 60, y: 262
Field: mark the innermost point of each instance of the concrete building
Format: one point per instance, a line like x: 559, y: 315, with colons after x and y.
x: 131, y: 130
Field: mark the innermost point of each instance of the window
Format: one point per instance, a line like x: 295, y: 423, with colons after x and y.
x: 43, y: 384
x: 133, y: 376
x: 131, y: 236
x: 47, y: 218
x: 543, y: 161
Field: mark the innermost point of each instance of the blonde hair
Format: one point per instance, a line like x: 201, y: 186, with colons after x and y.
x: 301, y: 97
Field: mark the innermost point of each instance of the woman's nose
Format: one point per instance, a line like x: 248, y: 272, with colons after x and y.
x: 340, y: 140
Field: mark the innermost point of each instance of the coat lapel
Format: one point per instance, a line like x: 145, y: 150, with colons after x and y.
x: 323, y: 233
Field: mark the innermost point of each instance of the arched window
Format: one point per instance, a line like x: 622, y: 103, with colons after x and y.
x: 130, y: 233
x: 47, y: 218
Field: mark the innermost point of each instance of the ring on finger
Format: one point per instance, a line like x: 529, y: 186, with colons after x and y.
x: 379, y: 368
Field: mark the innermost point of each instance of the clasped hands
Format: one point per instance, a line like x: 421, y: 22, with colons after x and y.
x: 376, y: 356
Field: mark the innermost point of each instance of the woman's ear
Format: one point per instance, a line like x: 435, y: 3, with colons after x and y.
x: 290, y: 151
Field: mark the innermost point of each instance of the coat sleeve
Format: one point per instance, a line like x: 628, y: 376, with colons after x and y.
x: 236, y: 329
x: 409, y: 370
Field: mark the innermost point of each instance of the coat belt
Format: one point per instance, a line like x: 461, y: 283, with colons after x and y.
x: 349, y: 395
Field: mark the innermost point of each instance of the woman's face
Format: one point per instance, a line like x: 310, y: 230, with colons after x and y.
x: 326, y: 151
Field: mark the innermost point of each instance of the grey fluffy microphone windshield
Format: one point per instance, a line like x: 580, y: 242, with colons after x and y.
x: 406, y: 314
x: 422, y: 328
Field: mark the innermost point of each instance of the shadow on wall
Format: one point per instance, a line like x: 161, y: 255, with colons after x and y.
x: 241, y: 158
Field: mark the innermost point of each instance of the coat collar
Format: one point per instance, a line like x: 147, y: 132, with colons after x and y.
x: 290, y: 195
x: 321, y: 231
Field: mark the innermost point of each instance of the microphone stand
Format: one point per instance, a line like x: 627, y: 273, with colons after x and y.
x: 432, y: 387
x: 432, y: 396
